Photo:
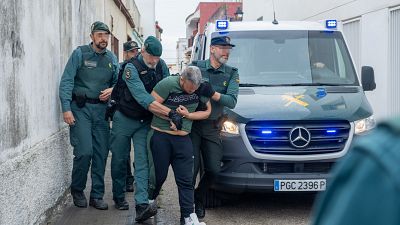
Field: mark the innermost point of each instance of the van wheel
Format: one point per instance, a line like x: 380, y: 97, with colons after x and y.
x: 212, y: 199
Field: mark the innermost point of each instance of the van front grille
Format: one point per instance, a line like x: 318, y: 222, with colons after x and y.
x: 273, y: 137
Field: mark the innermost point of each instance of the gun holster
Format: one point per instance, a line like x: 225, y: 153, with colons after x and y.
x: 110, y: 110
x: 80, y: 100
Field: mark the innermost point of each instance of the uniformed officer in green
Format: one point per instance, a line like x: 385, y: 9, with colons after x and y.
x: 85, y: 87
x: 365, y: 188
x: 132, y: 122
x: 131, y: 50
x: 206, y: 133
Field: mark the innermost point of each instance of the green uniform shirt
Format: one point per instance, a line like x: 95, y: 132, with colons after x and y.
x: 75, y: 63
x: 224, y: 80
x: 136, y: 86
x: 170, y: 90
x: 366, y: 184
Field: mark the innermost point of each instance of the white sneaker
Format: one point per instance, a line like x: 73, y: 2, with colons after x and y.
x: 193, y: 220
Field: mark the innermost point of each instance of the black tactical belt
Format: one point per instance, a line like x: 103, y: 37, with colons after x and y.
x: 89, y: 100
x: 94, y: 101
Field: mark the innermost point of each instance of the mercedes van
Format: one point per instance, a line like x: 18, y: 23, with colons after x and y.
x: 300, y: 105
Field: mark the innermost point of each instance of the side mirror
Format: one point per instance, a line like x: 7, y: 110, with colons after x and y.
x: 368, y: 78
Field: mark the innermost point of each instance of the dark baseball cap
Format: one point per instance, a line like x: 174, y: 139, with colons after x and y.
x: 130, y: 45
x: 153, y: 46
x: 99, y: 26
x: 222, y: 40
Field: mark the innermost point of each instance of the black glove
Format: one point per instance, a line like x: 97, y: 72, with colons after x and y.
x: 205, y: 89
x: 176, y: 119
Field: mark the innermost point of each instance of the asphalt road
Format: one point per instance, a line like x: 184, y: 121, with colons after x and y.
x: 254, y: 209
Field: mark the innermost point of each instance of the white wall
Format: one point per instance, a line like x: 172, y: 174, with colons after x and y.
x: 374, y: 35
x: 121, y: 28
x: 374, y: 49
x: 36, y: 40
x: 181, y: 46
x: 148, y: 18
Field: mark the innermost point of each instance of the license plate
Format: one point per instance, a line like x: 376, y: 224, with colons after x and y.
x: 300, y: 185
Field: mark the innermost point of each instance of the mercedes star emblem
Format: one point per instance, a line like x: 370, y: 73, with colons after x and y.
x: 300, y: 137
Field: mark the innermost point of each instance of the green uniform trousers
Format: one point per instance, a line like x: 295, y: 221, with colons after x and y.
x: 89, y: 136
x: 125, y: 129
x: 207, y: 145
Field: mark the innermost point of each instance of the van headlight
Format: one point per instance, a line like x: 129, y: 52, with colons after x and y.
x: 230, y: 127
x: 364, y: 125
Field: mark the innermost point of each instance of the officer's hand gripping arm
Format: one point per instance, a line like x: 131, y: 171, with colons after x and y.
x: 230, y: 98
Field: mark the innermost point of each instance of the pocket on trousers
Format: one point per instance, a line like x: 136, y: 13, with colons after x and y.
x: 72, y: 136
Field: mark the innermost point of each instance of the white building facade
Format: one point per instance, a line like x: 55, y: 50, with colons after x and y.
x: 36, y: 41
x: 372, y: 31
x: 147, y: 9
x: 182, y: 59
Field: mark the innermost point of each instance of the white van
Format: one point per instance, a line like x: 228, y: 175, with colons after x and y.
x: 300, y: 105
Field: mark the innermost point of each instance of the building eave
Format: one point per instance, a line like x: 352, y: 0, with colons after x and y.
x: 125, y: 11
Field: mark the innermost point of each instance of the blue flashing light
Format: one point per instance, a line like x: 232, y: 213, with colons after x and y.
x: 222, y: 24
x: 321, y: 92
x: 331, y: 24
x: 331, y: 131
x: 266, y: 132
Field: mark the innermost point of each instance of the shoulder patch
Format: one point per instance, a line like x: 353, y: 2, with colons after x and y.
x: 234, y: 69
x: 128, y: 74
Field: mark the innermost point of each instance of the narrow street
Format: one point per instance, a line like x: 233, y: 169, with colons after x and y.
x: 248, y: 209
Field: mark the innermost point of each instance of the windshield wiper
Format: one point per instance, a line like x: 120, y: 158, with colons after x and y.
x: 253, y: 85
x: 283, y: 85
x: 314, y: 84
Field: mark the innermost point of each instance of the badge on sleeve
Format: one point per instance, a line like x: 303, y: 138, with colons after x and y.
x: 128, y: 74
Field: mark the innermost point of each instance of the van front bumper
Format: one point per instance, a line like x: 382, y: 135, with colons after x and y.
x: 242, y: 172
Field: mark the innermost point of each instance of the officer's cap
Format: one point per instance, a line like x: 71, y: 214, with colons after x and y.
x: 130, y: 45
x: 222, y: 40
x: 99, y: 26
x: 153, y: 46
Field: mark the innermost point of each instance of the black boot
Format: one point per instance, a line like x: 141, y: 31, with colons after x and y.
x: 121, y: 204
x: 79, y: 199
x: 98, y: 203
x: 199, y: 209
x: 144, y: 212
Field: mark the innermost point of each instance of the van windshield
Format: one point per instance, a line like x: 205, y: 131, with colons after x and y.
x: 291, y: 58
